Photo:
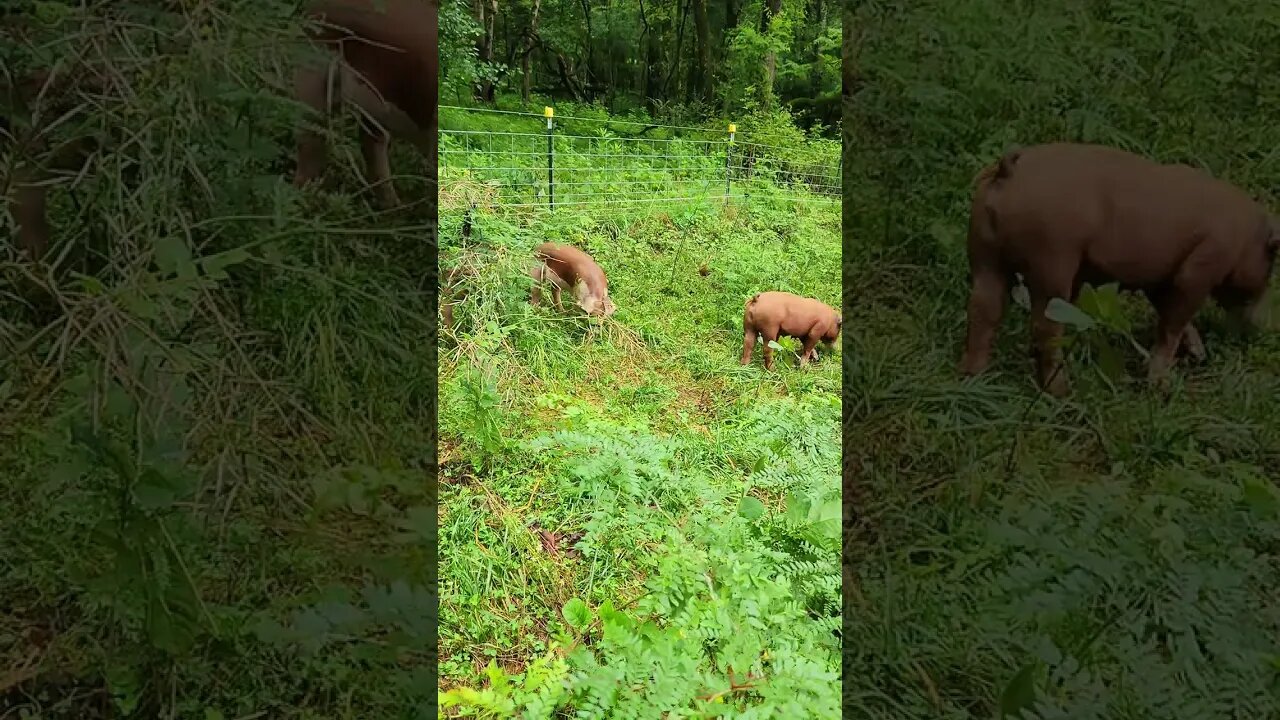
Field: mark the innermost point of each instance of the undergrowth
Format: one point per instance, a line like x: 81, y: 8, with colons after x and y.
x: 216, y: 397
x: 1110, y: 555
x: 631, y: 523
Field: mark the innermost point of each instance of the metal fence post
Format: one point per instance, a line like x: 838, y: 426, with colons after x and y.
x: 551, y: 158
x: 728, y: 162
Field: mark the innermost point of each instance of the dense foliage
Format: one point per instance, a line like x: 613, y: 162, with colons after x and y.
x: 632, y: 523
x: 1113, y: 555
x: 675, y: 58
x: 216, y: 403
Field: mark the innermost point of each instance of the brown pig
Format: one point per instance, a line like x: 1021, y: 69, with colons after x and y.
x: 383, y: 59
x: 770, y: 314
x: 1065, y: 214
x: 568, y: 268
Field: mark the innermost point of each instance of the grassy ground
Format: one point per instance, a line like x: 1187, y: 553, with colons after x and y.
x: 1110, y: 555
x: 1122, y: 545
x: 215, y: 441
x: 611, y: 491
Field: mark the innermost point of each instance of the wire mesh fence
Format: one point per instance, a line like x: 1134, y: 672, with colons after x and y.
x: 545, y: 163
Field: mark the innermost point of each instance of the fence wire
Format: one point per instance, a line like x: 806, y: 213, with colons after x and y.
x: 588, y: 163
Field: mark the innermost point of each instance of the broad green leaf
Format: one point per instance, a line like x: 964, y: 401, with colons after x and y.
x: 577, y: 614
x: 1261, y: 497
x: 67, y: 472
x: 119, y: 403
x: 1020, y: 693
x: 269, y: 630
x: 172, y: 254
x: 823, y: 529
x: 216, y: 265
x: 156, y: 490
x: 1104, y: 305
x: 92, y: 286
x: 1061, y: 311
x: 751, y: 508
x: 1110, y: 360
x: 761, y: 463
x: 798, y: 507
x: 170, y: 631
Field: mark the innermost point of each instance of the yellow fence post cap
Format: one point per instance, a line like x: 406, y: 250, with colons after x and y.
x: 548, y: 112
x: 733, y: 128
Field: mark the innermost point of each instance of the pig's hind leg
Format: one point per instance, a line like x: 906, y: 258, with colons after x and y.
x: 769, y: 335
x: 312, y: 87
x: 749, y: 337
x: 987, y: 300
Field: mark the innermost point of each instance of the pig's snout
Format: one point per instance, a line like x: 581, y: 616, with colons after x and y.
x: 598, y: 306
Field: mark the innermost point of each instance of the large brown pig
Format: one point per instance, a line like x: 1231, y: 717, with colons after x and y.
x: 383, y: 60
x: 568, y: 268
x: 770, y: 314
x: 1064, y: 214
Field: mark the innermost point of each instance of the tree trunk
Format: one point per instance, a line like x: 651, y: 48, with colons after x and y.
x: 675, y: 59
x: 771, y: 8
x: 652, y: 81
x: 487, y: 16
x: 530, y: 43
x: 568, y: 77
x: 590, y: 70
x: 700, y: 72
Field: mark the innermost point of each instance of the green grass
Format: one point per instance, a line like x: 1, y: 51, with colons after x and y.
x: 1124, y: 543
x: 215, y: 442
x: 1111, y: 555
x: 622, y: 504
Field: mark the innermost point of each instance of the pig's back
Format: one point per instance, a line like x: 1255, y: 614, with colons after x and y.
x: 1089, y: 180
x: 570, y: 263
x: 1130, y: 217
x: 789, y: 310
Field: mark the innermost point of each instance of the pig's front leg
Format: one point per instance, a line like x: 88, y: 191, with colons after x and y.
x: 538, y: 273
x: 810, y: 342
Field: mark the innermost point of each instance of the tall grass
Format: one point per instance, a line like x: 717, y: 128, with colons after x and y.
x: 632, y: 523
x: 216, y: 407
x: 1110, y: 555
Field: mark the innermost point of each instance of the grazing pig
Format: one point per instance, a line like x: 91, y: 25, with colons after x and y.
x: 770, y: 314
x: 567, y: 267
x: 1063, y: 214
x: 383, y: 60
